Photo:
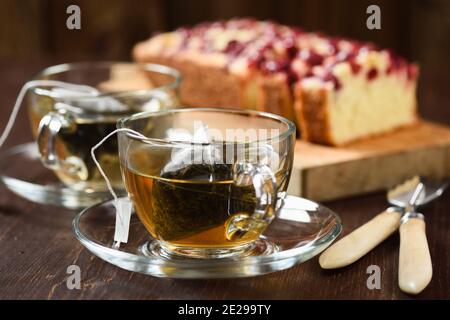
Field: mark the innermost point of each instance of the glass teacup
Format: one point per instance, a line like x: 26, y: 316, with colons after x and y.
x: 206, y: 182
x: 67, y: 125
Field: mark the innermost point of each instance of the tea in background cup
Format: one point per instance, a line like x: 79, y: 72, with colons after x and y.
x: 67, y: 125
x: 206, y: 182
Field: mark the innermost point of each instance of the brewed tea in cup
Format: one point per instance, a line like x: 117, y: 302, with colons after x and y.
x: 206, y: 182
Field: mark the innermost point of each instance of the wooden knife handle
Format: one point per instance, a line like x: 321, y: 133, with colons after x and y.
x: 356, y: 244
x: 414, y: 269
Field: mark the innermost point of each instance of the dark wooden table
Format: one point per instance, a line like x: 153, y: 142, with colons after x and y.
x: 37, y: 243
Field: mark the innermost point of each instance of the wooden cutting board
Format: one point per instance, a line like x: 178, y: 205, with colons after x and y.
x: 326, y: 173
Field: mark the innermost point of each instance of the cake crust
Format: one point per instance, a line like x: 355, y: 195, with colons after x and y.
x: 312, y: 116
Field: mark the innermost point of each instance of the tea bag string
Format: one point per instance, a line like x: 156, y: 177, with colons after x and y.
x: 40, y: 83
x: 97, y: 163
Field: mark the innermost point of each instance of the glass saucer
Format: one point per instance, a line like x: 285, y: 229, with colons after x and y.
x: 301, y: 230
x: 22, y: 172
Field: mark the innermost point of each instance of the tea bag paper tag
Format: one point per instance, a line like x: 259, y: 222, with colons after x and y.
x: 123, y: 205
x: 123, y: 217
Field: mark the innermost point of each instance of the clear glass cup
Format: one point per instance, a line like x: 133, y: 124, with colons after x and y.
x: 67, y: 125
x: 206, y: 182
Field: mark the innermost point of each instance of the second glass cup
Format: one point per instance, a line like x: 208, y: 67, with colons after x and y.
x: 206, y: 182
x: 67, y: 125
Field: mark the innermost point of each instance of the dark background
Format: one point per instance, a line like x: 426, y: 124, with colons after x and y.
x: 33, y: 32
x: 32, y: 29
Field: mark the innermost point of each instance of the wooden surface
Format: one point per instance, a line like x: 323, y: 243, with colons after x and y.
x: 37, y: 244
x: 372, y: 164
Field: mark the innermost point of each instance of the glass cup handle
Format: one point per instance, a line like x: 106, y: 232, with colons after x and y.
x: 264, y: 182
x: 49, y: 128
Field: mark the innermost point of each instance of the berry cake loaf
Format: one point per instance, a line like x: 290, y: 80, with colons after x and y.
x: 336, y: 90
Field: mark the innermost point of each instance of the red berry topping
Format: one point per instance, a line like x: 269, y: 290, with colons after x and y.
x: 355, y: 66
x: 334, y: 45
x: 412, y: 72
x: 350, y: 58
x: 291, y: 48
x: 234, y: 48
x: 331, y: 77
x: 395, y: 62
x: 310, y: 57
x: 300, y: 50
x: 372, y: 74
x: 273, y: 66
